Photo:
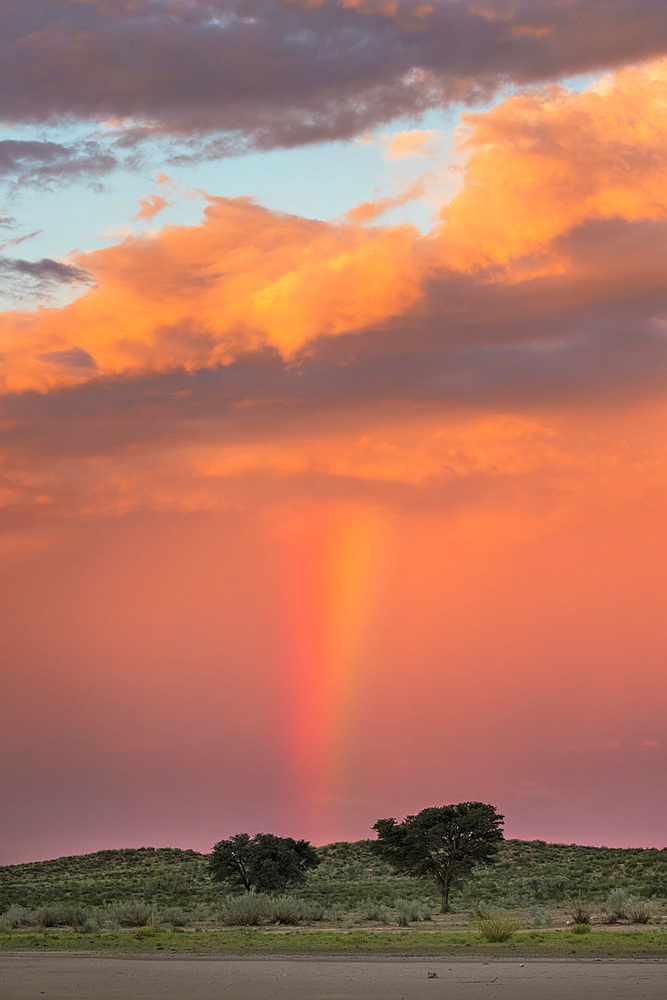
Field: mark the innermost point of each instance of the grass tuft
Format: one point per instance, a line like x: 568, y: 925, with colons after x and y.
x: 247, y: 910
x: 496, y: 928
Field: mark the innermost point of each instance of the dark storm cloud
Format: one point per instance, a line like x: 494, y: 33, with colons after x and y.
x: 22, y: 277
x: 73, y: 357
x: 33, y: 162
x: 286, y: 72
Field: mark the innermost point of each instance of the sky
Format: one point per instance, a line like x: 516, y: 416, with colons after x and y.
x: 333, y: 409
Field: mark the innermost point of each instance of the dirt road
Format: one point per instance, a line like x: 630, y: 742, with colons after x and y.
x: 73, y: 977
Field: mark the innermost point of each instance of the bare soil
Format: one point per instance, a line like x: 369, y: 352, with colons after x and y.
x: 74, y: 977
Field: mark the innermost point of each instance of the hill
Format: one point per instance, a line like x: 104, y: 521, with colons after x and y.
x: 526, y: 871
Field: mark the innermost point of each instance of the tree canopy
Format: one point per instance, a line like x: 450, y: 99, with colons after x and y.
x: 442, y: 843
x: 264, y: 863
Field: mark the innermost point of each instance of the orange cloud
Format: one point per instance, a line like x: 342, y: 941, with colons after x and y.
x: 542, y: 163
x: 408, y: 14
x: 530, y: 30
x: 418, y: 142
x: 369, y: 210
x: 149, y: 207
x: 197, y: 296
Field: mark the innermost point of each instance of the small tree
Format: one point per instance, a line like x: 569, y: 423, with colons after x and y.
x: 264, y: 863
x: 442, y: 843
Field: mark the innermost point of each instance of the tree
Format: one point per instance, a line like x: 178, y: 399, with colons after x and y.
x: 442, y: 843
x: 264, y: 863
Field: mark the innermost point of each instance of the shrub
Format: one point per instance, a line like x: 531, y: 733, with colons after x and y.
x: 371, y: 910
x: 284, y: 910
x: 579, y: 910
x: 617, y: 902
x: 176, y: 916
x: 581, y: 928
x: 132, y: 913
x: 112, y: 926
x: 91, y: 925
x: 150, y: 930
x: 407, y: 910
x: 76, y: 917
x: 61, y: 915
x: 19, y: 916
x: 336, y: 912
x: 312, y: 912
x: 539, y: 916
x: 5, y: 926
x: 495, y: 927
x: 638, y: 911
x: 244, y: 911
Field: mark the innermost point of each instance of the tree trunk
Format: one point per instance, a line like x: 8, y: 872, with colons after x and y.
x: 444, y: 892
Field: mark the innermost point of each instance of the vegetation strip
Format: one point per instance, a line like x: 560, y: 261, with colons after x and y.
x: 525, y: 872
x: 614, y: 944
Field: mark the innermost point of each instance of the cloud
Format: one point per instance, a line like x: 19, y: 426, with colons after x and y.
x: 278, y: 73
x: 73, y: 357
x: 543, y: 162
x: 150, y: 206
x: 258, y: 356
x: 563, y: 207
x: 194, y: 296
x: 23, y: 277
x: 370, y: 210
x: 417, y: 142
x: 32, y: 162
x: 17, y: 240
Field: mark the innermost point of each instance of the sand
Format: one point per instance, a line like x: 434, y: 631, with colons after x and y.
x: 74, y: 977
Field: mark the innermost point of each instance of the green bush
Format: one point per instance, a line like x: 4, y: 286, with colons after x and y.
x: 19, y: 916
x: 131, y: 913
x: 371, y: 910
x: 496, y: 927
x: 284, y: 910
x: 247, y: 910
x: 312, y: 912
x: 617, y: 902
x: 539, y: 916
x: 91, y: 925
x: 175, y: 915
x: 335, y: 913
x: 61, y: 915
x: 407, y: 911
x: 150, y: 930
x: 581, y: 929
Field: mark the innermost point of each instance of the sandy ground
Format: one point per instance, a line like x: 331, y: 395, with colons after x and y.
x: 73, y: 977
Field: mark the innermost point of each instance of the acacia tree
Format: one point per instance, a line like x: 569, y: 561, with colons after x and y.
x: 264, y: 863
x: 442, y: 843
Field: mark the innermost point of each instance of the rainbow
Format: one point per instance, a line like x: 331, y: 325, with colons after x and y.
x: 335, y: 562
